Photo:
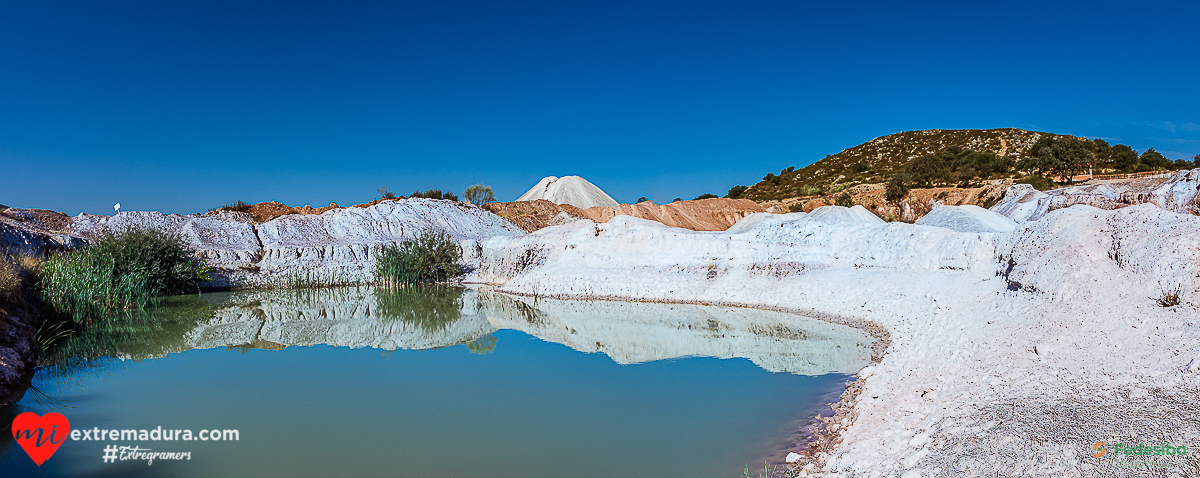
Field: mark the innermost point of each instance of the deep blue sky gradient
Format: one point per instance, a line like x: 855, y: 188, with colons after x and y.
x: 184, y: 106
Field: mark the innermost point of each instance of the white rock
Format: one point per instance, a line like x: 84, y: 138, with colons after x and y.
x: 792, y: 457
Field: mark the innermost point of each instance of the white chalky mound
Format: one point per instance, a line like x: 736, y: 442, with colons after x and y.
x: 967, y: 219
x: 845, y: 215
x: 572, y: 190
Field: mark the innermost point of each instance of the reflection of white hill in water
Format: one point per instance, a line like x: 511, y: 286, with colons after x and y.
x: 344, y: 317
x: 633, y: 332
x: 628, y: 332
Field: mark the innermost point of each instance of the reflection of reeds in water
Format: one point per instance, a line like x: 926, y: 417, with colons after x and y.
x: 135, y: 334
x: 483, y: 345
x: 433, y: 308
x: 312, y: 280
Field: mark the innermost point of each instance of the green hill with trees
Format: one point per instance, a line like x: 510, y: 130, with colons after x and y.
x: 963, y: 158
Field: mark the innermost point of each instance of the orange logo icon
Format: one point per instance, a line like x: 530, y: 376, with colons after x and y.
x: 1099, y: 449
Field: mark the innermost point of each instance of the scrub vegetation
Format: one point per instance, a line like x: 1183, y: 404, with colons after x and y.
x: 434, y: 194
x: 430, y: 257
x: 127, y: 269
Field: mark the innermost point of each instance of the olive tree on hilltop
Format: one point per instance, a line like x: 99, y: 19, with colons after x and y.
x: 1122, y: 157
x: 1060, y: 156
x: 479, y: 194
x: 1154, y: 160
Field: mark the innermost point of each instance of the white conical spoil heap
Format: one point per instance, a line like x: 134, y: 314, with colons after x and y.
x: 572, y: 190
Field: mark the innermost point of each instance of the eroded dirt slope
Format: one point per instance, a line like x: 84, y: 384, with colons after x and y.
x: 713, y: 214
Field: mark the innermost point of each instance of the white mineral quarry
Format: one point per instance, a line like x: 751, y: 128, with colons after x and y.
x: 1012, y: 348
x: 1002, y: 344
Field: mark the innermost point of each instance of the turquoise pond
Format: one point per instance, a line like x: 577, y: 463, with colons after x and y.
x: 446, y: 382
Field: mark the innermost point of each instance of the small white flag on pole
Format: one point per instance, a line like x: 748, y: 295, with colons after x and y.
x: 117, y: 207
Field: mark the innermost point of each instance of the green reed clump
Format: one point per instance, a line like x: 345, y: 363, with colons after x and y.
x: 126, y: 269
x: 433, y: 256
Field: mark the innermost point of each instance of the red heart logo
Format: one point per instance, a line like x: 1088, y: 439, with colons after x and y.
x: 39, y: 435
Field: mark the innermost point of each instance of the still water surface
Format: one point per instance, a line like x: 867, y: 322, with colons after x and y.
x: 441, y: 383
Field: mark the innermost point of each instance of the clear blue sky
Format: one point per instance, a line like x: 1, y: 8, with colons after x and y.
x: 183, y: 106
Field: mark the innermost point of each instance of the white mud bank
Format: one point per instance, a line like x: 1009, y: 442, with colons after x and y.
x: 1011, y: 353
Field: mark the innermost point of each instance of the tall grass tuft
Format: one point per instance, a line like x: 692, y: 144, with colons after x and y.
x: 432, y: 256
x: 127, y: 269
x: 10, y: 280
x: 1169, y: 297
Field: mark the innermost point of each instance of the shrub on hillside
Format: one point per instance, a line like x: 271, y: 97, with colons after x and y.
x: 479, y: 194
x: 845, y: 200
x: 736, y: 192
x: 432, y: 256
x: 898, y: 186
x: 239, y: 206
x: 434, y: 194
x: 706, y: 196
x: 123, y: 270
x: 384, y: 193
